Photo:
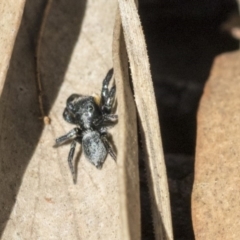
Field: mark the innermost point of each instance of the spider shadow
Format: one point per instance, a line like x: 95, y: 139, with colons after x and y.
x: 112, y: 144
x: 20, y: 126
x: 76, y: 162
x: 114, y: 108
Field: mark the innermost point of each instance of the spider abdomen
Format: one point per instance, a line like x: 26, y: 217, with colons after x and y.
x: 93, y: 148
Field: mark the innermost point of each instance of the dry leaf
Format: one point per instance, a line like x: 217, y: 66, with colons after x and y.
x: 216, y: 192
x: 10, y: 18
x: 39, y: 199
x: 147, y: 110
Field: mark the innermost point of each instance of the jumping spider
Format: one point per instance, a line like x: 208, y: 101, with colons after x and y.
x: 91, y: 119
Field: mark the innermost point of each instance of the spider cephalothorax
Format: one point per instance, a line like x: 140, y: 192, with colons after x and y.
x: 92, y: 119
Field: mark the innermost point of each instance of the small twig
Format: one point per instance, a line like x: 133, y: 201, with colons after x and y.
x: 46, y: 119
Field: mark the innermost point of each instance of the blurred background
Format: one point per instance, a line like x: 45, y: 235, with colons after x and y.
x: 183, y: 38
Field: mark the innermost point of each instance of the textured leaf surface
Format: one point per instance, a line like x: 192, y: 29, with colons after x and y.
x: 216, y: 193
x: 38, y: 198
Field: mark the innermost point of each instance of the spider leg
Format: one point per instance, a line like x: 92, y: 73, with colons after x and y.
x: 105, y: 91
x: 103, y: 130
x: 107, y: 97
x: 108, y: 147
x: 110, y: 100
x: 106, y: 119
x: 70, y: 158
x: 71, y: 135
x: 110, y: 118
x: 107, y: 106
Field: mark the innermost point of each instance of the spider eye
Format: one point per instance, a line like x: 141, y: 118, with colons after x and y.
x: 90, y: 108
x: 70, y: 106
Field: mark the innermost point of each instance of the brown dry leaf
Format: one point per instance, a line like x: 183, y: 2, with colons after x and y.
x: 128, y: 156
x: 216, y: 190
x: 38, y: 198
x: 147, y: 110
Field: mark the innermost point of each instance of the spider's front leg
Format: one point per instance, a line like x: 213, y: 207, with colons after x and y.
x: 107, y: 96
x: 76, y: 132
x: 112, y: 118
x: 105, y: 119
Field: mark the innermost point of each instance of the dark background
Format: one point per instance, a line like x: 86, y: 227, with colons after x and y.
x: 183, y: 38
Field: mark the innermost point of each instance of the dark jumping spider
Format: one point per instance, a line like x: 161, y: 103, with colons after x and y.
x: 92, y: 119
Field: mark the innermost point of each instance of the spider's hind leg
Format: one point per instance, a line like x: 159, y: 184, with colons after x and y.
x: 109, y: 147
